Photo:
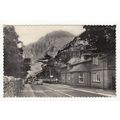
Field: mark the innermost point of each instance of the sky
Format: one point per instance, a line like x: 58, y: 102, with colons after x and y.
x: 29, y: 34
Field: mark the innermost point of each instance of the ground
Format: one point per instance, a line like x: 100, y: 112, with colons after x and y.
x: 60, y: 90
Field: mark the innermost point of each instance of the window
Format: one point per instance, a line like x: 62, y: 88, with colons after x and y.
x: 63, y: 76
x: 72, y: 75
x: 82, y: 58
x: 81, y: 77
x: 74, y: 54
x: 68, y: 67
x: 96, y: 77
x: 68, y: 76
x: 95, y: 60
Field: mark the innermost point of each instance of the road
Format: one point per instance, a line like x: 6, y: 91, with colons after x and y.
x: 59, y: 90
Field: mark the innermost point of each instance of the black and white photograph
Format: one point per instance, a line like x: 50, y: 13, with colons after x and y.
x: 59, y: 60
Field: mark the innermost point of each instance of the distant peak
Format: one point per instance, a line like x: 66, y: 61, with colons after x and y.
x: 60, y: 33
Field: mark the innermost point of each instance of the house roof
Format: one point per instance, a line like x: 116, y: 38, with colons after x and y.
x: 74, y: 61
x: 63, y: 65
x: 80, y: 67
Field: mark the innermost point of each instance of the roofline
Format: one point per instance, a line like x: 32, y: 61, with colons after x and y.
x: 63, y: 66
x: 81, y: 62
x: 77, y: 63
x: 78, y: 71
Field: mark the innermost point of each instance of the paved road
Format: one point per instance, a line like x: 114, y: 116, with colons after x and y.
x: 58, y: 90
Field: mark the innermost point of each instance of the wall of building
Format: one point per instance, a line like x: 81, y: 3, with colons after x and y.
x: 97, y: 84
x: 99, y: 70
x: 62, y: 78
x: 105, y: 71
x: 73, y: 79
x: 63, y: 75
x: 111, y: 81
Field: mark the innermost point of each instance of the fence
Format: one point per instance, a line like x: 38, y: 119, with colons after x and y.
x: 12, y: 86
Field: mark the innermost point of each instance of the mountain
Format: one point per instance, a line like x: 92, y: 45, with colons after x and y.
x: 50, y: 43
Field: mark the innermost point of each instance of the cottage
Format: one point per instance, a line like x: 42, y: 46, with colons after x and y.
x: 98, y: 72
x: 76, y: 72
x: 103, y: 72
x: 80, y: 74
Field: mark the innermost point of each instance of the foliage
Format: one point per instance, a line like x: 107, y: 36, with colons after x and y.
x: 100, y: 37
x: 62, y: 57
x: 12, y: 58
x: 49, y: 67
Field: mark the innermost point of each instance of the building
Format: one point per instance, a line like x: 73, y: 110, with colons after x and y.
x: 97, y: 71
x: 84, y: 67
x: 103, y: 72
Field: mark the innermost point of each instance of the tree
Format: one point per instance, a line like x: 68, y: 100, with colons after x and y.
x: 63, y: 57
x: 13, y: 61
x: 49, y: 67
x: 102, y: 38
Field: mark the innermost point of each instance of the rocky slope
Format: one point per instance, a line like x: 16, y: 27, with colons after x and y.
x: 50, y: 43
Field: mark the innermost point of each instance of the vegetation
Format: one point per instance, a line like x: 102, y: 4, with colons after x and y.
x: 97, y: 39
x: 48, y: 67
x: 100, y: 37
x: 13, y: 61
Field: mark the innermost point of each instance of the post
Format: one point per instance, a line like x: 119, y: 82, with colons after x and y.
x: 50, y: 73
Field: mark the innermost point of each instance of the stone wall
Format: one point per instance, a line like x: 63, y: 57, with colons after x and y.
x: 12, y: 86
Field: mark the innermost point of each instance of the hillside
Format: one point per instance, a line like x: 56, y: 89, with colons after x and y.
x: 50, y: 43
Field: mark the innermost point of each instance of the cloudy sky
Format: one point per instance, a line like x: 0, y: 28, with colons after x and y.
x: 30, y: 34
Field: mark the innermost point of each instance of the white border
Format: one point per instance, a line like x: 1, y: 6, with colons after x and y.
x: 1, y: 61
x: 61, y: 12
